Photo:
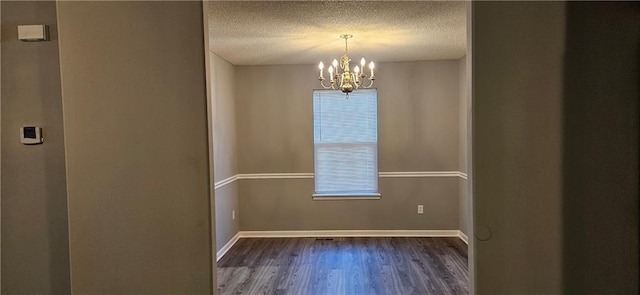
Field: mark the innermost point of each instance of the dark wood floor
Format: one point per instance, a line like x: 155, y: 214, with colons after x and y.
x: 351, y: 266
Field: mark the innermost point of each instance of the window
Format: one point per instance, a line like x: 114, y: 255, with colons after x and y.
x: 345, y: 139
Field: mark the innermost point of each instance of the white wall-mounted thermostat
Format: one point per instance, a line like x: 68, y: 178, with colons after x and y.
x: 32, y: 33
x: 31, y: 135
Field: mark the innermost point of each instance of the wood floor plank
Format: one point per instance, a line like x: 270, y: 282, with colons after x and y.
x: 345, y: 266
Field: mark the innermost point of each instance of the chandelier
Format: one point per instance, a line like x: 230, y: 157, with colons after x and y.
x: 341, y: 76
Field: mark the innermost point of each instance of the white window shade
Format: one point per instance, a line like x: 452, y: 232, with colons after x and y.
x: 345, y: 142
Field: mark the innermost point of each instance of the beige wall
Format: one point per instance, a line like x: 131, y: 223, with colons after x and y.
x: 464, y: 212
x: 518, y: 53
x: 418, y: 116
x: 275, y: 131
x: 462, y: 114
x: 134, y: 96
x: 286, y: 204
x: 224, y: 117
x: 555, y: 118
x: 35, y: 241
x: 275, y: 124
x: 225, y: 148
x: 226, y: 202
x: 418, y: 131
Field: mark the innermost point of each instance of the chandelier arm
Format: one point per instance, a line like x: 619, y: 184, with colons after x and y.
x: 342, y: 77
x: 369, y: 84
x: 326, y: 87
x: 356, y: 82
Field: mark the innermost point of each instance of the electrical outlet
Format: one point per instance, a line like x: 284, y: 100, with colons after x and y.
x: 420, y: 209
x: 233, y: 214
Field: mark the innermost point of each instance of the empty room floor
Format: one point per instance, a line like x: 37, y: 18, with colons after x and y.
x: 344, y: 266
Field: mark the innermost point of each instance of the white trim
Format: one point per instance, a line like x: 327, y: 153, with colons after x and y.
x: 411, y: 174
x: 421, y: 174
x: 380, y: 174
x: 349, y: 233
x: 274, y: 175
x: 342, y: 197
x: 226, y: 181
x: 227, y: 246
x: 463, y: 237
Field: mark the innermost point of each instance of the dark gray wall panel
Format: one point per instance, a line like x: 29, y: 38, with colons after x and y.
x: 35, y: 240
x: 134, y: 93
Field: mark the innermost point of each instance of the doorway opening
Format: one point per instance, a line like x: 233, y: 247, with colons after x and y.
x: 262, y: 70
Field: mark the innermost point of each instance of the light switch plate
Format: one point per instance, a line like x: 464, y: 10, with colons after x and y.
x: 32, y: 33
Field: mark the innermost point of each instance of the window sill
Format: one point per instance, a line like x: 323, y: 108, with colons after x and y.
x: 346, y: 196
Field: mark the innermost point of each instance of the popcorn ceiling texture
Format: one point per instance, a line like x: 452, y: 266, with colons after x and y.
x: 306, y: 32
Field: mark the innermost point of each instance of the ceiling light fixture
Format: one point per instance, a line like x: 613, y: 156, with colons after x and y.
x: 345, y: 80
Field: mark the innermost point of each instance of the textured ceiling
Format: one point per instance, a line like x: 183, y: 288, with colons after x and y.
x: 301, y: 32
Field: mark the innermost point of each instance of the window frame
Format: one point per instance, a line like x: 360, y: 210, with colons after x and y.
x: 376, y: 195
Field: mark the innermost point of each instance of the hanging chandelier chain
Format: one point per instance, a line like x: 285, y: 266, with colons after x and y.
x: 346, y: 47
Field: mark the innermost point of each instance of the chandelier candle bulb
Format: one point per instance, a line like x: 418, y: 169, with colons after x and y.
x: 321, y: 66
x: 371, y: 66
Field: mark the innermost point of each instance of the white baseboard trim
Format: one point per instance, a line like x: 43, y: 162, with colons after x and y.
x: 349, y: 233
x: 463, y: 237
x: 227, y: 246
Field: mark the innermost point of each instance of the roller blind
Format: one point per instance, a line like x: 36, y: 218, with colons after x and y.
x: 345, y: 142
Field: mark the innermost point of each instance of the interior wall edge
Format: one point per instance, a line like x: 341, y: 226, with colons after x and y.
x: 210, y: 139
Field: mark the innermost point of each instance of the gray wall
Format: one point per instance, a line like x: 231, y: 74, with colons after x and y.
x: 224, y: 117
x: 225, y: 148
x: 464, y: 212
x: 134, y: 94
x: 286, y: 204
x: 35, y: 241
x: 518, y: 50
x: 600, y: 148
x: 274, y: 122
x: 418, y: 131
x: 556, y: 99
x: 227, y: 201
